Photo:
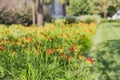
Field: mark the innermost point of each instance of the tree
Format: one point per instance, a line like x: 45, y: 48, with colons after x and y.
x: 13, y: 13
x: 79, y: 7
x: 101, y: 6
x: 111, y: 10
x: 33, y: 12
x: 40, y: 13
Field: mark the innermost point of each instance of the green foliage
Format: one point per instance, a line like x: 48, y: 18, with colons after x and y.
x: 89, y: 18
x: 47, y: 15
x: 105, y: 8
x: 50, y: 53
x: 79, y: 7
x: 70, y: 20
x: 111, y: 10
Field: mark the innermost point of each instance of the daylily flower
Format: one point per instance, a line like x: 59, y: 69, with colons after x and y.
x: 61, y: 54
x: 28, y: 40
x: 60, y: 50
x: 45, y: 35
x: 71, y: 49
x: 76, y: 47
x: 18, y: 43
x: 68, y: 57
x: 81, y: 57
x: 90, y: 60
x: 1, y: 48
x: 50, y: 51
x: 91, y: 30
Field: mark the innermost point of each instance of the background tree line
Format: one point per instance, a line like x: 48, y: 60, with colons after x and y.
x: 102, y: 7
x: 29, y: 12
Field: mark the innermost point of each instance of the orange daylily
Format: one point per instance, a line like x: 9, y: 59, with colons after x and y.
x: 68, y: 57
x: 90, y: 60
x: 72, y: 49
x: 50, y: 51
x: 28, y: 40
x: 1, y: 48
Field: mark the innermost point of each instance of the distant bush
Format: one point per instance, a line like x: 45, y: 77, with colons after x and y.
x: 13, y: 13
x: 89, y: 18
x: 70, y: 20
x: 106, y: 20
x: 78, y: 7
x: 16, y: 18
x: 47, y: 15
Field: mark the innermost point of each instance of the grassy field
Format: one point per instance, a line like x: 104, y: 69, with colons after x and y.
x: 106, y: 50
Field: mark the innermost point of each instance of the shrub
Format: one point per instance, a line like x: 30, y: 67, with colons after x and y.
x: 14, y: 13
x: 70, y: 20
x: 78, y: 7
x: 89, y: 18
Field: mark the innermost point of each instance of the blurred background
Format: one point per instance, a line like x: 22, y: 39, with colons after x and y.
x: 25, y: 11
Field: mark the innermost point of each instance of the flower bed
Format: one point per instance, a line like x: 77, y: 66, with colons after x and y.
x: 52, y: 52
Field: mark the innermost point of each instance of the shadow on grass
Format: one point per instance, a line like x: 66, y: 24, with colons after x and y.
x: 107, y: 65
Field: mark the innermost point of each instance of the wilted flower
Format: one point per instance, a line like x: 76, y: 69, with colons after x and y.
x: 45, y: 35
x: 76, y: 47
x: 61, y: 54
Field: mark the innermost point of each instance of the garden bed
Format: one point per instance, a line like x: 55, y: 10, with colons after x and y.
x: 52, y: 52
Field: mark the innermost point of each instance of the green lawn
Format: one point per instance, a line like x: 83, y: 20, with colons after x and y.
x: 106, y: 51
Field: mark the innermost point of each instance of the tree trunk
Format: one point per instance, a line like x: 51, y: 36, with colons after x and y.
x: 40, y: 13
x: 64, y: 9
x: 33, y: 12
x: 105, y: 14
